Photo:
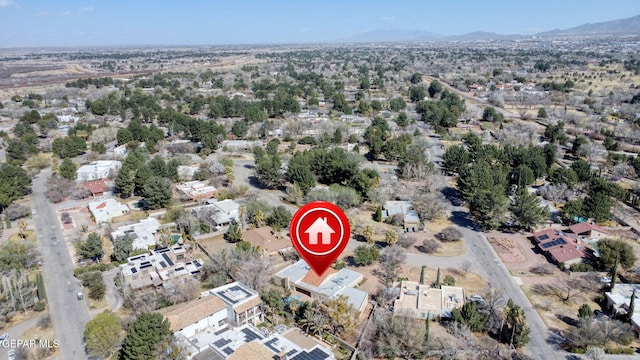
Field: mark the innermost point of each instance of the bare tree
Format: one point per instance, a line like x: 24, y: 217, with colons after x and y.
x: 390, y: 261
x: 255, y: 273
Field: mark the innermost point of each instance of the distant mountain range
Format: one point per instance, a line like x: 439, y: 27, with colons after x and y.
x: 628, y: 26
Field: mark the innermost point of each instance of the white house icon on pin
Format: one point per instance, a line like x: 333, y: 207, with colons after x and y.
x: 319, y: 226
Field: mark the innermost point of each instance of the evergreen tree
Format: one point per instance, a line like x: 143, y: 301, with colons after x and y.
x: 470, y: 316
x: 91, y: 248
x: 585, y: 313
x: 378, y: 215
x: 614, y: 275
x: 269, y: 171
x: 157, y: 192
x: 516, y: 331
x: 67, y: 169
x: 438, y: 279
x: 233, y: 234
x: 526, y: 210
x: 147, y: 337
x: 422, y: 270
x: 632, y: 305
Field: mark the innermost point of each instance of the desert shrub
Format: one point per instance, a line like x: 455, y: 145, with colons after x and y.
x: 430, y: 246
x: 39, y: 306
x: 449, y: 280
x: 545, y: 269
x: 581, y: 267
x: 406, y: 241
x: 619, y: 351
x: 17, y: 211
x: 449, y: 234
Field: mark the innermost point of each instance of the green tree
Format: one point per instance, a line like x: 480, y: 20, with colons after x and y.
x: 542, y: 113
x: 526, y: 210
x: 469, y: 316
x: 95, y: 283
x: 14, y: 183
x: 301, y: 175
x: 233, y: 234
x: 416, y: 78
x: 612, y: 250
x: 397, y: 104
x: 417, y: 93
x: 157, y: 192
x: 490, y: 114
x: 585, y: 313
x: 365, y: 255
x: 556, y: 133
x: 368, y: 233
x: 147, y: 337
x: 91, y: 248
x: 272, y: 146
x: 563, y: 176
x: 577, y: 144
x: 422, y: 271
x: 598, y: 206
x: 582, y: 169
x: 70, y: 146
x: 391, y: 237
x: 67, y: 169
x: 103, y: 335
x: 402, y: 119
x: 515, y: 331
x: 337, y: 136
x: 240, y: 128
x: 269, y: 171
x: 455, y: 158
x: 122, y: 248
x: 488, y: 208
x: 279, y: 218
x: 435, y: 88
x: 523, y: 176
x: 378, y: 215
x: 124, y: 136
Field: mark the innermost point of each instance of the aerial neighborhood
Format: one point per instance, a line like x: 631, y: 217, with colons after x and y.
x: 491, y: 188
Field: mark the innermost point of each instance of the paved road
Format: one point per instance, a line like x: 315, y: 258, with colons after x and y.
x: 69, y: 315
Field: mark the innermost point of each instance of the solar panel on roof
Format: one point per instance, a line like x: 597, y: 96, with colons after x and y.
x: 221, y: 331
x: 227, y: 351
x: 250, y: 335
x: 291, y: 352
x: 163, y: 264
x: 271, y: 345
x: 559, y: 241
x: 315, y: 354
x: 221, y: 342
x: 134, y: 270
x: 166, y: 257
x: 543, y: 237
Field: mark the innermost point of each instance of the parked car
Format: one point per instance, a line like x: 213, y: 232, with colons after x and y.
x: 80, y: 296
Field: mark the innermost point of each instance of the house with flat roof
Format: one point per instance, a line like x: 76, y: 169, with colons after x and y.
x: 218, y: 213
x: 143, y: 233
x: 410, y: 217
x: 244, y: 305
x: 106, y: 209
x: 562, y: 247
x: 419, y: 301
x: 160, y: 268
x: 97, y: 170
x: 195, y: 190
x: 619, y: 302
x: 248, y: 342
x: 333, y: 283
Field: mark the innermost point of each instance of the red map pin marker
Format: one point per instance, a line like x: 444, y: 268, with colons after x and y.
x: 319, y: 231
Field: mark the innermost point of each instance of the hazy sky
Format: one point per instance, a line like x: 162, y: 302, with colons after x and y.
x: 214, y: 22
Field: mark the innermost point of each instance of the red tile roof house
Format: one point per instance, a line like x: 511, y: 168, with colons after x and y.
x: 588, y: 231
x: 562, y: 247
x: 97, y: 187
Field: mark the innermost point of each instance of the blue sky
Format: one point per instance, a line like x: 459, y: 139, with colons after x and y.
x: 216, y: 22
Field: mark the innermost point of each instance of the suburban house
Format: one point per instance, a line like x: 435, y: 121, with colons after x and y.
x: 562, y: 247
x: 248, y: 342
x: 239, y: 145
x: 218, y: 213
x: 588, y: 231
x: 97, y: 170
x: 299, y: 277
x: 235, y: 304
x: 402, y: 208
x: 120, y: 150
x: 267, y: 240
x: 160, y: 268
x: 619, y: 302
x: 143, y: 233
x: 96, y: 187
x: 419, y: 301
x: 105, y: 210
x: 195, y: 190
